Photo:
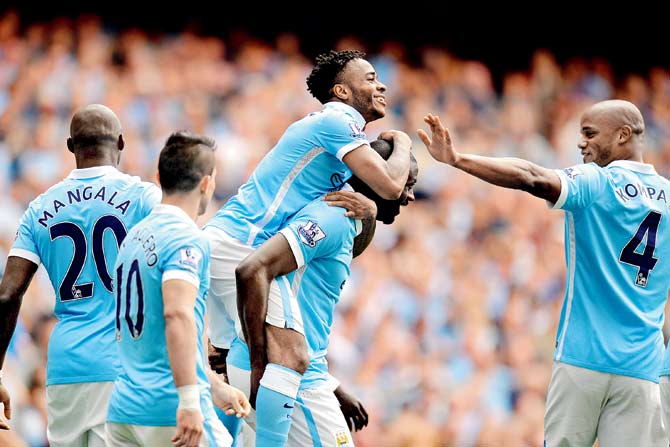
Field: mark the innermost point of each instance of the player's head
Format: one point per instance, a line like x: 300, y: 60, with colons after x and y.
x: 186, y: 165
x: 94, y: 131
x: 611, y: 130
x: 387, y: 210
x: 346, y: 77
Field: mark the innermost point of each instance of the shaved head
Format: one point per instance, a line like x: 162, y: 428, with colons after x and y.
x: 617, y: 112
x: 95, y: 136
x: 93, y: 125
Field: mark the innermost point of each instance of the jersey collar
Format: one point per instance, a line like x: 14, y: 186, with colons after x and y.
x: 175, y: 211
x: 636, y: 166
x: 96, y: 171
x: 346, y: 108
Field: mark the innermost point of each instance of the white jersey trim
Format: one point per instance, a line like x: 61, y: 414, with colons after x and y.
x: 25, y: 254
x: 95, y: 171
x: 283, y: 190
x: 295, y: 246
x: 563, y: 196
x: 344, y: 150
x: 169, y: 275
x: 572, y: 259
x: 636, y: 166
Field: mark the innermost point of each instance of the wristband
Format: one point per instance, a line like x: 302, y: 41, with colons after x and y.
x: 189, y: 397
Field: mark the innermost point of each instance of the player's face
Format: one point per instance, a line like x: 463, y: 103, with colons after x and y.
x: 598, y: 139
x: 367, y: 92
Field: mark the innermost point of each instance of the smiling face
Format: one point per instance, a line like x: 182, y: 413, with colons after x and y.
x: 599, y: 138
x: 366, y: 91
x: 611, y: 130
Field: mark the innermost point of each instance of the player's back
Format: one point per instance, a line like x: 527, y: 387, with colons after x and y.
x: 166, y: 245
x: 321, y: 238
x: 74, y: 229
x: 618, y: 258
x: 305, y: 164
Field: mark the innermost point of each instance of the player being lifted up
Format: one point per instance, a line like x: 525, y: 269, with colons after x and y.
x: 315, y: 155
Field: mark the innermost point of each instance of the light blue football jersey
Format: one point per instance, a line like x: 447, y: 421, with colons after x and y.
x: 617, y: 247
x: 305, y: 164
x: 74, y: 229
x: 166, y: 245
x: 321, y: 238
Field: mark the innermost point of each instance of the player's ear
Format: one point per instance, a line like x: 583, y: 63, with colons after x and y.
x: 70, y: 145
x: 120, y: 144
x: 158, y: 177
x: 341, y: 92
x: 625, y: 132
x: 204, y: 183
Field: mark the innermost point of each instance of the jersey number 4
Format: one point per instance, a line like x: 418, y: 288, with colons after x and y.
x: 69, y: 289
x: 645, y: 261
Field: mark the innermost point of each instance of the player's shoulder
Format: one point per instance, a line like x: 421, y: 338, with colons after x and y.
x: 47, y: 196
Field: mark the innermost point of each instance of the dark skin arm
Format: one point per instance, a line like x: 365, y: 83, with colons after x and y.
x: 513, y: 173
x: 18, y: 274
x: 254, y: 275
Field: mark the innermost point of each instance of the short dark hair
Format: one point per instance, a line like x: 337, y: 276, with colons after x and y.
x: 327, y: 70
x: 184, y: 160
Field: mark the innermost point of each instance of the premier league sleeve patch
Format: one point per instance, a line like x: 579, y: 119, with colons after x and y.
x: 356, y: 131
x: 310, y: 233
x: 571, y: 173
x: 190, y: 257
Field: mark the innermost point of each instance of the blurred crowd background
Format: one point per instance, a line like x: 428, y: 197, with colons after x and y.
x: 447, y: 326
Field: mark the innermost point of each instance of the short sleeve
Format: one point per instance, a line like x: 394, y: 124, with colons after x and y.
x: 340, y: 133
x: 185, y: 261
x: 580, y: 186
x: 318, y: 230
x: 151, y: 196
x: 24, y: 245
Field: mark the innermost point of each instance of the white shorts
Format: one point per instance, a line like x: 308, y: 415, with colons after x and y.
x: 224, y: 322
x: 316, y: 420
x: 127, y: 435
x: 620, y: 411
x: 77, y: 413
x: 665, y: 403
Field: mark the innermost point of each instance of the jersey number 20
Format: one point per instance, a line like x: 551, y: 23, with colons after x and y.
x: 69, y: 289
x: 645, y: 261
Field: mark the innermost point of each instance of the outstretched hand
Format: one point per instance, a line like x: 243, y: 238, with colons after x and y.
x: 439, y: 144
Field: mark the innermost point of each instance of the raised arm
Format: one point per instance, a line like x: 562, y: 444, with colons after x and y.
x: 386, y: 177
x: 513, y: 173
x: 181, y: 336
x: 18, y: 274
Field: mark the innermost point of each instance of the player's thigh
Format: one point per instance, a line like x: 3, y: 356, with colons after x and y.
x: 665, y: 403
x: 632, y: 415
x: 226, y: 254
x: 120, y: 435
x: 241, y: 379
x: 76, y: 413
x: 574, y: 402
x: 283, y: 308
x: 318, y: 421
